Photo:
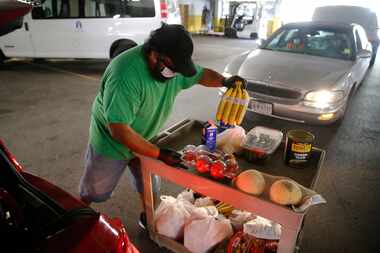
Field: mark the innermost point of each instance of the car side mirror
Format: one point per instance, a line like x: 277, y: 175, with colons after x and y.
x: 364, y: 53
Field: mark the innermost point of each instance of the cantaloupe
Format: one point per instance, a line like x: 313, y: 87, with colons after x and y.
x: 285, y: 192
x: 251, y: 181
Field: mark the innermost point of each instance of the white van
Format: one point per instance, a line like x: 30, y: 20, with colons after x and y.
x: 352, y: 14
x: 249, y: 19
x: 82, y: 28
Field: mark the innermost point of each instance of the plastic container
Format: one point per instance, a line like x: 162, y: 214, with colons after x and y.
x: 261, y: 142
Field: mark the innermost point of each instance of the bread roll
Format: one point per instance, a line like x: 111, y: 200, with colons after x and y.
x: 285, y: 192
x: 251, y: 181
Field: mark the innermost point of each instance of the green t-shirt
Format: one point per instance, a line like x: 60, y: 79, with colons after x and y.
x: 129, y: 95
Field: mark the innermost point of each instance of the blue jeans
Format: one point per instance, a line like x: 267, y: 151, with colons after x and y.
x: 101, y: 175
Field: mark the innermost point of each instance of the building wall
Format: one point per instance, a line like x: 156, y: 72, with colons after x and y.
x: 194, y: 15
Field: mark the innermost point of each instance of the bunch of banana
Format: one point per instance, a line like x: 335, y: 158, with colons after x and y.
x: 224, y: 208
x: 233, y: 105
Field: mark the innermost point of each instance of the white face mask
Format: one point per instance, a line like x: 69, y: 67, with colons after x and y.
x: 167, y: 73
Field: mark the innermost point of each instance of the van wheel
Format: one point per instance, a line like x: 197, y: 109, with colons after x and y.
x: 39, y: 60
x: 121, y: 46
x: 254, y: 36
x: 2, y: 57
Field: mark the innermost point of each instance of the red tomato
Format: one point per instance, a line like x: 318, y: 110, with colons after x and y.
x: 203, y: 164
x: 217, y: 169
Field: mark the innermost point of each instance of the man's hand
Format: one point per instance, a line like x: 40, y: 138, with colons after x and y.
x: 233, y: 80
x: 169, y: 156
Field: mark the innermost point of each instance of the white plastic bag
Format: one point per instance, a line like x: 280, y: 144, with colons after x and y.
x: 204, y: 233
x: 230, y: 140
x: 263, y: 229
x: 239, y: 217
x: 188, y: 195
x: 171, y: 215
x: 206, y: 201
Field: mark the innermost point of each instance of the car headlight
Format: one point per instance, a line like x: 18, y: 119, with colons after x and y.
x: 323, y: 98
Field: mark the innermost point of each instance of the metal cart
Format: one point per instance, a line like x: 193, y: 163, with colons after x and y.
x: 189, y: 132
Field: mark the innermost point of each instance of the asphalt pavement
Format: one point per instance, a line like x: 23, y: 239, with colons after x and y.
x: 44, y: 119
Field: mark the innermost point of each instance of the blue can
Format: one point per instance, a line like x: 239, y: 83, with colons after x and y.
x: 209, y: 132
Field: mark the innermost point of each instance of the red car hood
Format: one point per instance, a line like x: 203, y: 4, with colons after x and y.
x: 12, y: 9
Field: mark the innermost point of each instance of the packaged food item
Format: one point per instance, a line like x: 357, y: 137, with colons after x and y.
x: 189, y: 148
x: 298, y: 148
x: 171, y: 216
x: 241, y: 242
x: 186, y: 195
x: 230, y: 140
x: 233, y: 105
x: 201, y: 148
x: 263, y: 229
x: 203, y: 201
x: 224, y: 208
x: 260, y: 142
x: 232, y: 169
x: 203, y: 164
x: 209, y: 133
x: 222, y: 127
x: 204, y: 233
x: 189, y: 157
x: 238, y: 218
x: 217, y: 169
x: 219, y: 164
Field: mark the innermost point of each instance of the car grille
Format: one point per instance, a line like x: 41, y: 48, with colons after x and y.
x: 273, y: 91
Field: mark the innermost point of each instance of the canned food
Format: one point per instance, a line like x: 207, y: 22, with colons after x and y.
x: 298, y: 147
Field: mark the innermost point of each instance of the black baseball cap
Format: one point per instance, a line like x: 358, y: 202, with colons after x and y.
x: 174, y: 42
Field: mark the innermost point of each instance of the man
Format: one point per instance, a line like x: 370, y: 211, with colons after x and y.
x: 135, y: 99
x: 372, y: 34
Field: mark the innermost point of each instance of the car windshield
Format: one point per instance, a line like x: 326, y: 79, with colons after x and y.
x: 324, y: 42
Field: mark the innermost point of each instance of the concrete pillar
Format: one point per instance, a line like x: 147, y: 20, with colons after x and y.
x: 195, y: 8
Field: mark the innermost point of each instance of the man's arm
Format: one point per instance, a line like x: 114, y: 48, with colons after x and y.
x: 125, y: 135
x: 211, y: 78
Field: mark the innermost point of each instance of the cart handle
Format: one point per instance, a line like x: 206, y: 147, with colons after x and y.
x: 167, y: 132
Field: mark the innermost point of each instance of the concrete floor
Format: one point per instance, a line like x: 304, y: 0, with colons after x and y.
x: 44, y: 119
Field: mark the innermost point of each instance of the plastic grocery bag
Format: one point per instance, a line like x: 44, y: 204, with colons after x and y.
x: 230, y: 140
x: 171, y: 215
x: 238, y: 218
x: 187, y: 194
x: 206, y: 201
x: 204, y: 233
x: 263, y: 229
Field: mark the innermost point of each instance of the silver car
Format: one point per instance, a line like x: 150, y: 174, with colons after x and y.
x: 305, y: 72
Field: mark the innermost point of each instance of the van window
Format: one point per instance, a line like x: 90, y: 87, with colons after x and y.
x: 56, y: 9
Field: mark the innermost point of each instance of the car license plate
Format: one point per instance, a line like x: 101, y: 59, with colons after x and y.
x: 261, y: 108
